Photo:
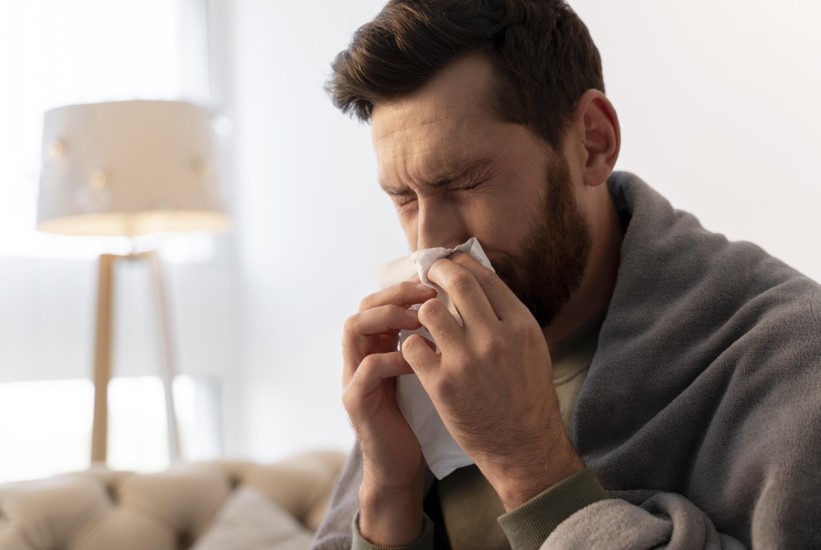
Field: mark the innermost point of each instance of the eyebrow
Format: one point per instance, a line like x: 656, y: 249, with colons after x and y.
x: 444, y: 178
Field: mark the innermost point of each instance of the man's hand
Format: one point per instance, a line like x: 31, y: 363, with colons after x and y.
x: 492, y: 382
x: 393, y: 468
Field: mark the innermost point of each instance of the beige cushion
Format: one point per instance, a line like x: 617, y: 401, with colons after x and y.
x: 250, y: 521
x: 99, y: 509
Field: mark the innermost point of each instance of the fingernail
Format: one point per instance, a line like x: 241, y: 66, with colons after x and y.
x: 412, y: 313
x: 425, y: 288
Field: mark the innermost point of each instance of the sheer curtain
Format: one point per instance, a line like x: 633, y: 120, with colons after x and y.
x: 57, y: 52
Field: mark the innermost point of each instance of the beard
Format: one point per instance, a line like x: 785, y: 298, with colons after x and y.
x: 554, y: 254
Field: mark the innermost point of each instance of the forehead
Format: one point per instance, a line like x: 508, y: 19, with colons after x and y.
x: 442, y: 123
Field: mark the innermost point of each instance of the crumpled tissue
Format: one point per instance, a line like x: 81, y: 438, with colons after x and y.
x: 442, y: 453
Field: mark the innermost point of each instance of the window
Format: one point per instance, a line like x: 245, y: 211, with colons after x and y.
x: 53, y: 53
x: 38, y: 417
x: 58, y: 52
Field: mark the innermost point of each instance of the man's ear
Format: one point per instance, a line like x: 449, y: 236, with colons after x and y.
x: 598, y: 126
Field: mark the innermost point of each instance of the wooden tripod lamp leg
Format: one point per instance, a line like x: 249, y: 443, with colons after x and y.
x: 103, y: 352
x: 102, y: 357
x: 169, y: 369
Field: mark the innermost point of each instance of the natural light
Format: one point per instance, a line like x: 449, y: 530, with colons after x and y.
x: 54, y: 53
x: 45, y: 426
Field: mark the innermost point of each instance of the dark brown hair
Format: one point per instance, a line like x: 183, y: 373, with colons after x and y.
x: 542, y: 53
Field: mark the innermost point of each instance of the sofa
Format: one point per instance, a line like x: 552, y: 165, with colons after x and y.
x: 222, y: 504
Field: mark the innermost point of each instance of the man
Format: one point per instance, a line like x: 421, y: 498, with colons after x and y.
x: 625, y: 379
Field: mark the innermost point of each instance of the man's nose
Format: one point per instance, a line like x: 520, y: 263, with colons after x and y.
x: 439, y: 224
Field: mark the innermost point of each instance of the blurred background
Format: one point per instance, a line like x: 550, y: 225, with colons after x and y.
x: 717, y: 101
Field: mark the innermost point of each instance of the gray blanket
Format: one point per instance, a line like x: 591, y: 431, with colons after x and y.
x: 701, y: 413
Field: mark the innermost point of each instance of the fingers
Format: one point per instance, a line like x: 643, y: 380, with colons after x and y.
x: 373, y: 331
x: 368, y: 378
x: 463, y: 288
x: 403, y: 294
x: 382, y: 315
x: 380, y: 320
x: 372, y: 371
x: 476, y: 291
x: 442, y: 325
x: 420, y: 354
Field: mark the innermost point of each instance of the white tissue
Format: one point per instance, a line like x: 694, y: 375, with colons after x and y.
x: 442, y: 454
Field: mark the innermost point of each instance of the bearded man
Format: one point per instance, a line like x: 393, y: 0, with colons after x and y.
x: 624, y: 379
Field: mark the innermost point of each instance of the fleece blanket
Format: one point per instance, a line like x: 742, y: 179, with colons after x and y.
x: 701, y: 412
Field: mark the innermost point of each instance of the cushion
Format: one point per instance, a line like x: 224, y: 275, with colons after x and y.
x: 250, y: 521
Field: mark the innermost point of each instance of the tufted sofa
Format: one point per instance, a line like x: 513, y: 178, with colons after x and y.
x: 102, y: 509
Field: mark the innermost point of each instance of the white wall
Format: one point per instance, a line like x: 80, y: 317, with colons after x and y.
x: 311, y: 223
x: 717, y: 110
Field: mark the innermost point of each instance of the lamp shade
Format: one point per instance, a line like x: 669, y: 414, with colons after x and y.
x: 129, y: 168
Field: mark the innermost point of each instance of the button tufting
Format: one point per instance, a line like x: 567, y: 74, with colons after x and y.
x: 112, y: 492
x: 184, y: 540
x: 233, y: 481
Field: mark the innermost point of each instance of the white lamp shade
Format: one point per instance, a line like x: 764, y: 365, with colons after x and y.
x: 129, y: 168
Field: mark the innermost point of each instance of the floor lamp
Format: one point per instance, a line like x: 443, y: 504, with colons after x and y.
x: 129, y: 168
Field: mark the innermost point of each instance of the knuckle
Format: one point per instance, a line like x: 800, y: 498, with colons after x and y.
x: 525, y: 326
x: 350, y: 402
x: 524, y: 320
x: 429, y: 309
x: 368, y: 364
x: 367, y: 301
x: 406, y: 286
x: 462, y: 281
x: 395, y: 312
x: 493, y: 345
x: 447, y: 389
x: 487, y: 277
x: 350, y: 324
x: 347, y: 399
x: 363, y: 370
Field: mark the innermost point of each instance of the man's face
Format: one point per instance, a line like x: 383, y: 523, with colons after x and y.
x: 455, y: 171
